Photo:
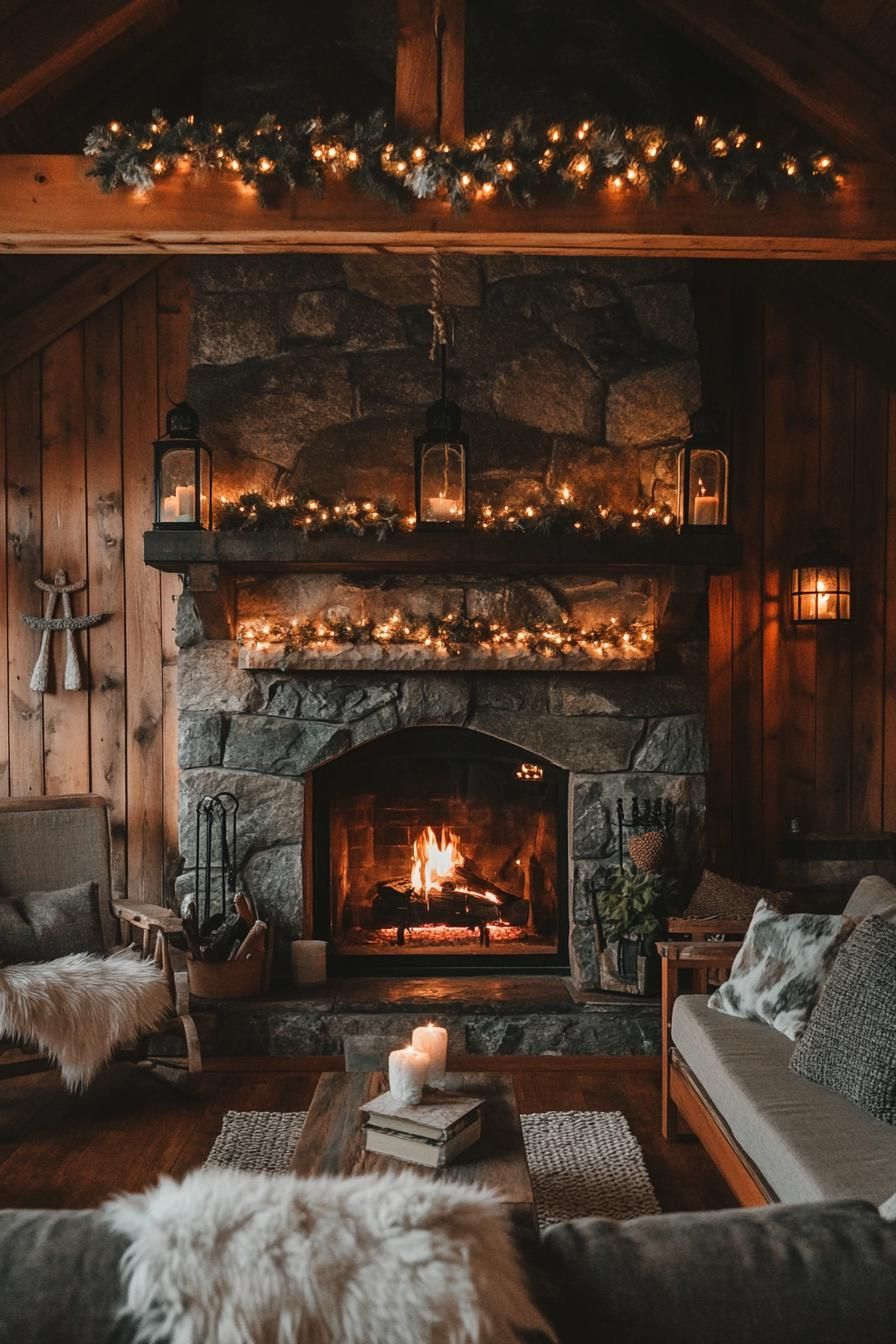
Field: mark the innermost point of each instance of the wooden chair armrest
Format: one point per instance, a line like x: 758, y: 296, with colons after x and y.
x: 709, y: 955
x: 141, y: 916
x: 678, y: 926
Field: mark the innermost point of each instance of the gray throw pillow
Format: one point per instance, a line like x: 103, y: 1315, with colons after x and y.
x: 850, y: 1042
x: 17, y: 940
x: 778, y: 973
x: 65, y: 921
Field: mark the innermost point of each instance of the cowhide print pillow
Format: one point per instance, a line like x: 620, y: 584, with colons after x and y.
x: 778, y: 973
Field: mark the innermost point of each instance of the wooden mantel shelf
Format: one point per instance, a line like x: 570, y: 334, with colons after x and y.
x: 425, y: 552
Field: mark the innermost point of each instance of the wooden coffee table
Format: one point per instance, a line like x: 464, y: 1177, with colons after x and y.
x: 332, y: 1142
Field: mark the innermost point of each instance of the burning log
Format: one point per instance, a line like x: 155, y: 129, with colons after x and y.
x: 466, y: 900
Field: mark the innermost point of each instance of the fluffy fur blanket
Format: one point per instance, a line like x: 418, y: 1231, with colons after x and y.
x: 239, y: 1258
x: 80, y: 1009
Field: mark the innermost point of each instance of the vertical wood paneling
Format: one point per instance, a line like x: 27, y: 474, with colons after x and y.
x: 23, y: 555
x: 143, y: 636
x: 4, y: 667
x: 869, y: 560
x: 889, y: 803
x: 105, y: 566
x: 174, y: 292
x: 66, y: 713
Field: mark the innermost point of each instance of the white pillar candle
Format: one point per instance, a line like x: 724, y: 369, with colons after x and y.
x: 186, y: 502
x: 407, y: 1074
x: 169, y: 509
x: 433, y: 1041
x: 309, y: 962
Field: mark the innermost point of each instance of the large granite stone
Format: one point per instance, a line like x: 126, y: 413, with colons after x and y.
x: 509, y: 691
x: 583, y: 956
x: 274, y: 881
x: 199, y: 739
x: 556, y: 392
x: 405, y: 280
x: 434, y: 698
x: 338, y: 316
x: 594, y: 812
x: 283, y: 747
x: 270, y: 812
x: 188, y: 628
x: 403, y: 378
x: 608, y: 744
x: 371, y: 457
x: 674, y: 745
x: 329, y: 699
x: 653, y: 405
x: 278, y: 274
x: 208, y: 676
x: 664, y: 312
x: 228, y: 328
x: 551, y: 296
x: 649, y: 695
x: 272, y: 408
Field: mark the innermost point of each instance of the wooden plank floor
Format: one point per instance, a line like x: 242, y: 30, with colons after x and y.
x: 59, y: 1151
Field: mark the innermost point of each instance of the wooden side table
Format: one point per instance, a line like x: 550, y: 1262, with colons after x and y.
x: 693, y: 961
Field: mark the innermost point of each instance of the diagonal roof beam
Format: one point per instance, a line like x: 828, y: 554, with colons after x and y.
x: 796, y: 56
x: 48, y: 38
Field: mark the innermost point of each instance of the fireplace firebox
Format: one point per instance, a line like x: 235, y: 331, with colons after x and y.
x: 437, y: 848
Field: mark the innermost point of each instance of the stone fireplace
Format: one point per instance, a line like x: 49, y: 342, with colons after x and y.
x: 501, y: 771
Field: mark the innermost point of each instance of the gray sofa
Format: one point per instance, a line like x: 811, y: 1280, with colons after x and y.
x: 782, y: 1275
x: 803, y: 1141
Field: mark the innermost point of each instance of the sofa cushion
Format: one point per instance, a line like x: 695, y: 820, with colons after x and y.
x: 872, y: 896
x: 61, y: 1279
x: 65, y: 921
x: 777, y: 1275
x: 850, y: 1042
x: 17, y: 940
x: 778, y: 973
x: 808, y: 1143
x: 718, y: 897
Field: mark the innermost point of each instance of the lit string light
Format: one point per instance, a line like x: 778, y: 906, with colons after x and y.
x: 515, y: 164
x: 451, y: 636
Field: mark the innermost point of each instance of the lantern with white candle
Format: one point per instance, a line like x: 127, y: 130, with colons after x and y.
x: 433, y: 1041
x: 703, y: 476
x: 408, y: 1071
x: 183, y: 473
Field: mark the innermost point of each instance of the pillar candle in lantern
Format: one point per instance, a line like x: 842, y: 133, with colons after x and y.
x: 169, y: 509
x: 309, y: 962
x: 186, y: 502
x: 706, y: 510
x: 433, y: 1041
x: 407, y: 1074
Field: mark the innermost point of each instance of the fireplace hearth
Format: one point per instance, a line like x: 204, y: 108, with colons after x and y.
x: 440, y: 847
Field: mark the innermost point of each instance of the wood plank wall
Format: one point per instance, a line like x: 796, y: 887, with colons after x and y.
x: 76, y: 428
x: 802, y: 720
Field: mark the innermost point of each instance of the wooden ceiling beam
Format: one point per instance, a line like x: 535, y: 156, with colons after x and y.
x: 48, y: 38
x: 27, y: 332
x: 429, y: 68
x: 48, y: 204
x: 794, y: 54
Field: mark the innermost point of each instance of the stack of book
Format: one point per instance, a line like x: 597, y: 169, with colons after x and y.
x: 432, y: 1133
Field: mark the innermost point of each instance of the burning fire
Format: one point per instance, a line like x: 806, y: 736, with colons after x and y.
x: 435, y: 862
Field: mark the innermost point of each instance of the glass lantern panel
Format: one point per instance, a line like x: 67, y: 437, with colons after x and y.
x: 177, y: 486
x: 708, y: 488
x: 205, y: 487
x: 826, y: 588
x: 442, y: 484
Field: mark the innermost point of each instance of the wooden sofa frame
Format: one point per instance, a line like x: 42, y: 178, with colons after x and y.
x: 685, y: 1106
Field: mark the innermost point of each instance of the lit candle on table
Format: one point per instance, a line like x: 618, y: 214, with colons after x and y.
x: 407, y: 1074
x: 433, y: 1041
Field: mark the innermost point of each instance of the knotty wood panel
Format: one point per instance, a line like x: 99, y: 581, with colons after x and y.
x: 77, y: 422
x: 801, y: 721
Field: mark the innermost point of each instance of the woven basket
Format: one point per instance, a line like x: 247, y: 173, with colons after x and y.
x: 228, y: 979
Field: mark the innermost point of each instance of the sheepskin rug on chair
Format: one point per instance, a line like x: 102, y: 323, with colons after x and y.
x: 80, y: 1009
x: 242, y: 1258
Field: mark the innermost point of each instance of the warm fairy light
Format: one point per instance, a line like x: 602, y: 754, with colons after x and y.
x: 555, y: 134
x: 823, y: 163
x: 507, y: 168
x: 632, y: 173
x: 740, y: 140
x: 265, y: 165
x: 790, y: 166
x: 418, y: 154
x: 465, y: 179
x: 677, y: 165
x: 487, y: 189
x: 700, y: 122
x: 617, y: 182
x: 719, y: 147
x: 353, y: 158
x: 234, y: 165
x: 581, y: 165
x: 653, y: 149
x: 114, y: 127
x: 158, y: 166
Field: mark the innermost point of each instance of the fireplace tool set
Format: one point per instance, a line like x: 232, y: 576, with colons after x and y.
x: 229, y: 947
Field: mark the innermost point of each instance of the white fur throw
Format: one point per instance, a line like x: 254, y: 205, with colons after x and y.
x: 80, y: 1009
x: 239, y: 1258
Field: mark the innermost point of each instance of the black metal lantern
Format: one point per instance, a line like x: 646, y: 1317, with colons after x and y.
x: 703, y: 476
x: 821, y: 586
x: 440, y: 464
x: 183, y: 473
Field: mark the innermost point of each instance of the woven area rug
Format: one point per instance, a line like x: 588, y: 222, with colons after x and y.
x: 583, y: 1163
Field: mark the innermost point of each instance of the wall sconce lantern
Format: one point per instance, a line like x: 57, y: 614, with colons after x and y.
x: 183, y: 473
x: 703, y: 476
x: 821, y: 587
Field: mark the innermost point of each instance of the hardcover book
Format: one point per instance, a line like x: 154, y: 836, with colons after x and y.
x: 424, y: 1152
x: 438, y: 1116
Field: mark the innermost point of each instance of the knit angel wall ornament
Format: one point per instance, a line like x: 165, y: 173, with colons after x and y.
x: 50, y: 623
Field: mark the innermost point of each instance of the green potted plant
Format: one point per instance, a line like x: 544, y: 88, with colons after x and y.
x: 629, y: 909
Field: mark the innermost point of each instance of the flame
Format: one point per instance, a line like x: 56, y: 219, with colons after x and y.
x: 435, y: 861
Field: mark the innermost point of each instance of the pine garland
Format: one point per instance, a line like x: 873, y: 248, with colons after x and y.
x: 521, y: 163
x: 556, y: 514
x: 449, y: 635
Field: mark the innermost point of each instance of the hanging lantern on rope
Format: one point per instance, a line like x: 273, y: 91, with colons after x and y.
x: 440, y: 451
